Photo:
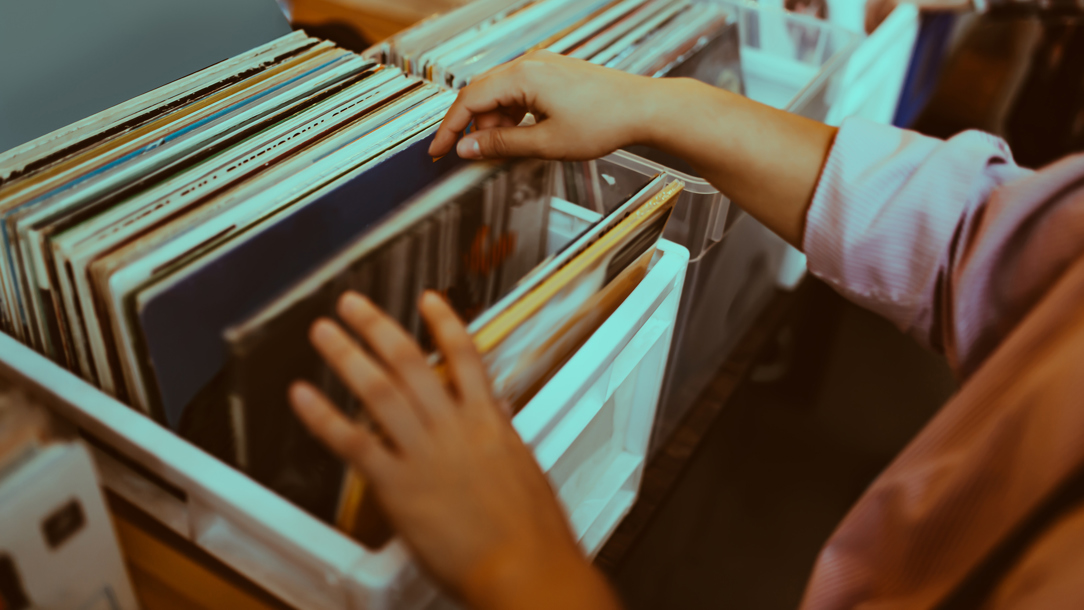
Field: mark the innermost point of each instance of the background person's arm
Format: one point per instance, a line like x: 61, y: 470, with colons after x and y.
x: 766, y: 160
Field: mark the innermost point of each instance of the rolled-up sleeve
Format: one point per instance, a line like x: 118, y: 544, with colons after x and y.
x: 891, y: 213
x: 982, y: 259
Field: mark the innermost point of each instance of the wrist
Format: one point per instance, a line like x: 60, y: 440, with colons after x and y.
x: 676, y: 109
x: 654, y: 123
x: 548, y: 579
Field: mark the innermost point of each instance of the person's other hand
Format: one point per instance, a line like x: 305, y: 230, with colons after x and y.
x: 449, y: 469
x: 582, y: 111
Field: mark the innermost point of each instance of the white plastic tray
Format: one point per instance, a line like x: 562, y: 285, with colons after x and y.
x: 589, y: 428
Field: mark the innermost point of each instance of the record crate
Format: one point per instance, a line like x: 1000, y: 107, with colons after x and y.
x: 589, y: 427
x: 867, y: 85
x: 813, y: 68
x: 730, y: 278
x: 734, y: 261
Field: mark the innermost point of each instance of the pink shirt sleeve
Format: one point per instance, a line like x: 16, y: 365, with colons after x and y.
x: 983, y: 260
x: 888, y: 214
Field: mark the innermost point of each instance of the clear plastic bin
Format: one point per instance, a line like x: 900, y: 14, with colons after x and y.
x: 727, y: 283
x: 837, y: 70
x: 589, y: 428
x: 873, y: 79
x: 793, y: 62
x: 798, y: 63
x: 867, y: 84
x: 725, y: 290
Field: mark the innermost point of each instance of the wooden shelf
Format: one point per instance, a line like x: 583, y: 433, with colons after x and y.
x: 373, y: 20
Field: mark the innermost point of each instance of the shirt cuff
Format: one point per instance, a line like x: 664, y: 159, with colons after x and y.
x: 876, y: 227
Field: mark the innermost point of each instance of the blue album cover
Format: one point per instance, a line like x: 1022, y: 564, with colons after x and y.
x: 183, y: 325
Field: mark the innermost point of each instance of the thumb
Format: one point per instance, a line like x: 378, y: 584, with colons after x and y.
x: 504, y: 142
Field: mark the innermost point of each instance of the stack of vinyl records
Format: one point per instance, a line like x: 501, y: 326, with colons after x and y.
x: 114, y: 228
x: 647, y: 37
x: 174, y: 251
x: 528, y: 313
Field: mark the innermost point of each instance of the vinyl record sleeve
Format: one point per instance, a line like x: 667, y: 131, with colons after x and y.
x: 420, y: 61
x: 415, y: 211
x: 514, y: 37
x: 104, y: 168
x: 37, y: 154
x: 73, y: 249
x: 593, y: 26
x: 142, y: 138
x: 524, y: 342
x: 219, y: 198
x: 429, y: 243
x: 435, y: 61
x: 54, y: 244
x: 643, y: 30
x: 183, y: 321
x: 174, y: 245
x: 618, y: 28
x: 473, y: 16
x: 37, y: 160
x: 222, y: 132
x: 677, y: 37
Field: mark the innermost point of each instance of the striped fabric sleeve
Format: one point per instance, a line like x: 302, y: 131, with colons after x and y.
x: 887, y: 211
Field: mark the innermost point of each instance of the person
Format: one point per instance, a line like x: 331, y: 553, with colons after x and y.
x: 971, y: 255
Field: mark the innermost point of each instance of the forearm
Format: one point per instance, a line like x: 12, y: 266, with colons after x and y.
x: 767, y: 161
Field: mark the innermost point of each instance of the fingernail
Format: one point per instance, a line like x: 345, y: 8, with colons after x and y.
x: 302, y: 396
x: 352, y: 302
x: 429, y: 297
x: 322, y: 331
x: 468, y: 149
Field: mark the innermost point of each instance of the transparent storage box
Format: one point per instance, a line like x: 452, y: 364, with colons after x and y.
x: 865, y: 80
x: 826, y: 70
x: 792, y: 62
x: 589, y: 428
x: 873, y: 79
x: 727, y: 283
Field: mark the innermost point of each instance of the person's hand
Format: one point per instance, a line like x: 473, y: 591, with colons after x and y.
x: 448, y: 468
x: 765, y: 160
x: 582, y: 111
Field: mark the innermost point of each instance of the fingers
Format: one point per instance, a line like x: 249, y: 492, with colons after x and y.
x: 465, y: 367
x: 350, y: 441
x: 400, y: 353
x: 499, y: 118
x: 488, y: 94
x: 381, y: 396
x: 507, y: 142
